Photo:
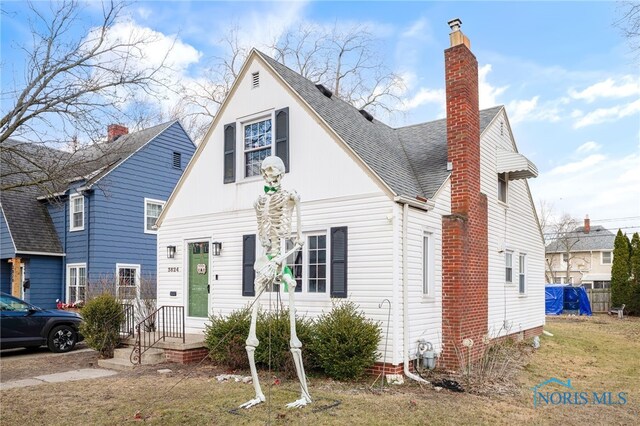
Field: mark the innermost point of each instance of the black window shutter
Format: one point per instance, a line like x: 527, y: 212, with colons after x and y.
x: 248, y: 259
x: 282, y: 136
x: 339, y: 250
x: 230, y: 153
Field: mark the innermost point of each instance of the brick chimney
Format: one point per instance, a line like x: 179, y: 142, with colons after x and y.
x: 587, y: 224
x: 464, y: 239
x: 114, y: 131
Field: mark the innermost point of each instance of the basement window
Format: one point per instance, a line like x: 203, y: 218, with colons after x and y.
x: 255, y: 80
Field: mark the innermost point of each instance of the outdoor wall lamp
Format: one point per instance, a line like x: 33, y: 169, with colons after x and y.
x: 171, y: 252
x: 216, y: 248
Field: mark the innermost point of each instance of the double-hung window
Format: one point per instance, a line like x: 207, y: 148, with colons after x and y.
x: 127, y: 281
x: 606, y: 258
x: 502, y: 187
x: 521, y: 276
x: 508, y: 263
x: 257, y: 145
x: 309, y: 264
x: 427, y: 264
x: 152, y: 210
x: 76, y: 215
x: 76, y: 282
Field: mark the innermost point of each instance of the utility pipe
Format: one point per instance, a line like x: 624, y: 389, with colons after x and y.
x: 405, y: 294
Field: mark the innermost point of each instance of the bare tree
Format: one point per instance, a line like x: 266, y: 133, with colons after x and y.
x: 629, y: 22
x: 72, y: 86
x: 343, y: 60
x: 561, y: 237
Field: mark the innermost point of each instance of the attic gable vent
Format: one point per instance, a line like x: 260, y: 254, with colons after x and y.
x: 255, y: 79
x: 177, y: 160
x: 324, y: 91
x: 366, y: 115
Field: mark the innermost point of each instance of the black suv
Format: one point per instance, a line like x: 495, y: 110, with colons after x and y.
x: 24, y: 325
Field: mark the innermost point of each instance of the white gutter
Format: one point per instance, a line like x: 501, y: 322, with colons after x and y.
x: 405, y: 294
x: 39, y: 253
x: 424, y: 205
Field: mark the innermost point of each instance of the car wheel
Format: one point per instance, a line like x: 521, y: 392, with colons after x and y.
x: 62, y: 338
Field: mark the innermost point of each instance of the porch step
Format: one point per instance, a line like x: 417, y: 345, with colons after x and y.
x: 116, y: 364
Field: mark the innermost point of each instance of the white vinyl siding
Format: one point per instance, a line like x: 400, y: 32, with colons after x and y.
x: 76, y: 282
x: 515, y: 227
x: 152, y: 210
x: 76, y: 213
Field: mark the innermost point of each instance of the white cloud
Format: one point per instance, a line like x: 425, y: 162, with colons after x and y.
x: 576, y: 166
x: 609, y: 88
x: 424, y: 96
x: 144, y: 12
x: 588, y: 147
x: 259, y: 27
x: 530, y: 110
x: 488, y: 93
x: 417, y: 30
x: 603, y: 115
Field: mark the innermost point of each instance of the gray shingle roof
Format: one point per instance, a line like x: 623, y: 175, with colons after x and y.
x: 411, y: 160
x: 28, y: 220
x: 598, y: 238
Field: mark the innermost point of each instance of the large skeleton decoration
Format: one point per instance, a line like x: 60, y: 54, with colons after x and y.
x: 274, y: 211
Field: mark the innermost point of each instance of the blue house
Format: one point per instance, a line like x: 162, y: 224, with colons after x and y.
x: 97, y: 233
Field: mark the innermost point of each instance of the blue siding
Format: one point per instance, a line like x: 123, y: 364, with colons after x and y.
x: 117, y: 205
x: 5, y: 276
x: 7, y: 250
x: 45, y: 274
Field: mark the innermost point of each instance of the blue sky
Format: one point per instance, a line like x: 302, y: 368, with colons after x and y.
x: 565, y: 73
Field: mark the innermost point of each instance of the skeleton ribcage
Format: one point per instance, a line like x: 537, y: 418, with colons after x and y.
x: 274, y: 212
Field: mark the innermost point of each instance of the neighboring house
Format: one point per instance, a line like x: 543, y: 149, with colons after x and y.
x: 436, y: 217
x: 582, y: 257
x: 99, y: 227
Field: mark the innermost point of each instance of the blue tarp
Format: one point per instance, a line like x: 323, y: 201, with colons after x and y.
x: 560, y: 298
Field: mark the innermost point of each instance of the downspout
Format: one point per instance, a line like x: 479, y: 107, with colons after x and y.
x: 88, y: 223
x: 405, y: 294
x: 64, y: 259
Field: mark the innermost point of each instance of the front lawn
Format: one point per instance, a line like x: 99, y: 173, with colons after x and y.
x: 596, y: 354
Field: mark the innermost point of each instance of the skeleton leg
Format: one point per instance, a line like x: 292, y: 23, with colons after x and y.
x: 296, y: 346
x: 252, y: 343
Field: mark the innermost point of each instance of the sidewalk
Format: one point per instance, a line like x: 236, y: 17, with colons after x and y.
x: 67, y: 376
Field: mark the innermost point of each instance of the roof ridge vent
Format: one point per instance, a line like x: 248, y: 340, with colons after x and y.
x: 366, y: 115
x: 328, y: 93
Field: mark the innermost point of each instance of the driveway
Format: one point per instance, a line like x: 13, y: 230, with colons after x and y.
x: 18, y: 364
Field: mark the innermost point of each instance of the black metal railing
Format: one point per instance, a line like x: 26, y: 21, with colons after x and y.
x: 127, y: 328
x: 166, y: 321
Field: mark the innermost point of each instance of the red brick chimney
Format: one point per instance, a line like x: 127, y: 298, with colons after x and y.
x: 464, y: 239
x: 587, y: 224
x: 114, y: 131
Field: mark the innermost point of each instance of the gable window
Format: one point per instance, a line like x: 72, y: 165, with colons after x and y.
x: 177, y: 160
x: 76, y: 282
x: 427, y: 265
x: 606, y: 257
x: 521, y: 275
x: 152, y: 210
x: 508, y: 265
x: 127, y: 281
x: 502, y: 187
x: 76, y: 215
x: 257, y: 146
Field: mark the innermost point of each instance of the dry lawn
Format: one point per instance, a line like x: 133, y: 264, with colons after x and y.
x: 597, y: 354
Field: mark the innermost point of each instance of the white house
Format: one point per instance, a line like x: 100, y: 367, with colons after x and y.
x: 436, y: 217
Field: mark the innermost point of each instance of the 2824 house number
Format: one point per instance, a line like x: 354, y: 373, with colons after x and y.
x: 174, y: 269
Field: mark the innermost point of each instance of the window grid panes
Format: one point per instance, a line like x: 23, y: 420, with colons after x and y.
x: 77, y: 284
x: 127, y: 283
x: 153, y: 213
x: 606, y: 257
x: 257, y: 146
x: 317, y: 263
x: 522, y: 274
x: 78, y: 212
x: 508, y: 260
x: 295, y: 263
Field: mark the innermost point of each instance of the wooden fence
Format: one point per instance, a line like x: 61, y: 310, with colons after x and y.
x: 600, y: 299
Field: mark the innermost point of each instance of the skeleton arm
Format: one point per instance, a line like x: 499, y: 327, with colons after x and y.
x: 298, y: 241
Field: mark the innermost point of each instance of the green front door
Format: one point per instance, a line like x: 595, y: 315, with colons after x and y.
x: 198, y: 279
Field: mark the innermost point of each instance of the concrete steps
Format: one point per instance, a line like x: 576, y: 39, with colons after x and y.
x: 121, y: 359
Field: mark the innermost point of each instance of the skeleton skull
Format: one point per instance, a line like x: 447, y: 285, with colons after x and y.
x: 272, y: 170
